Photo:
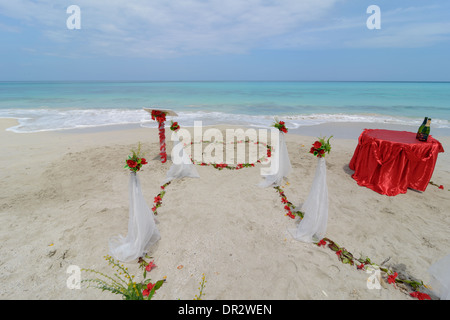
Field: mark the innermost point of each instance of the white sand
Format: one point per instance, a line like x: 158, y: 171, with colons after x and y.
x: 64, y: 194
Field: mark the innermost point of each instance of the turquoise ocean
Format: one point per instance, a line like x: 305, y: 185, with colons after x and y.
x: 50, y: 106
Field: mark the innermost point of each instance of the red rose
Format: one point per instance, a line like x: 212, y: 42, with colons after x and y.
x: 151, y: 265
x: 317, y: 144
x: 321, y: 151
x: 322, y: 243
x: 284, y: 130
x: 312, y: 150
x: 131, y: 163
x: 143, y: 161
x: 391, y: 278
x: 147, y: 291
x: 420, y: 295
x: 281, y: 122
x: 441, y: 187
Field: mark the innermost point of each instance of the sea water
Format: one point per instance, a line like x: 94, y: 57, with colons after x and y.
x: 49, y: 106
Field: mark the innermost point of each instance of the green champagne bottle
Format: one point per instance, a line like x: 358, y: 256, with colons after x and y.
x: 421, y: 128
x: 425, y: 132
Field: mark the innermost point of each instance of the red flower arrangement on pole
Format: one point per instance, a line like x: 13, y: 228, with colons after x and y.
x: 280, y: 125
x: 160, y: 117
x: 174, y: 126
x: 320, y: 147
x: 135, y: 161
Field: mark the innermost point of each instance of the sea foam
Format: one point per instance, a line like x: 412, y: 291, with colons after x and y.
x: 45, y: 119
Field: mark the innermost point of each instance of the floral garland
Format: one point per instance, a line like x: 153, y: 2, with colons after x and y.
x: 160, y: 117
x: 280, y: 125
x: 321, y: 146
x: 238, y: 166
x: 135, y: 162
x: 392, y: 277
x: 158, y: 199
x: 288, y: 206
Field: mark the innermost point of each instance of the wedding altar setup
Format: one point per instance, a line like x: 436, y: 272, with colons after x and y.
x: 312, y: 214
x: 142, y: 230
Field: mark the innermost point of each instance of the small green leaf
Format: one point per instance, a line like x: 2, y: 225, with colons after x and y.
x: 158, y: 284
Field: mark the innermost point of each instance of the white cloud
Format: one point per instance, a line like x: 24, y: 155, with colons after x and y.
x: 166, y: 28
x: 162, y: 27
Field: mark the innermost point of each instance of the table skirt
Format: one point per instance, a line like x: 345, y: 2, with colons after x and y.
x: 390, y: 162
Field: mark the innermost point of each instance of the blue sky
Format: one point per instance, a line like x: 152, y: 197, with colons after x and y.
x: 204, y: 40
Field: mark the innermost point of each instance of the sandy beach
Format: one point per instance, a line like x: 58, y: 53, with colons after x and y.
x: 64, y: 194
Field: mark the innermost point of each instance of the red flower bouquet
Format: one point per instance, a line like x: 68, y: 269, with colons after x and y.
x: 174, y: 126
x: 135, y: 161
x: 320, y: 147
x: 159, y: 116
x: 280, y: 125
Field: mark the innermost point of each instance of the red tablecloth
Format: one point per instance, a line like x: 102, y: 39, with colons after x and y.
x: 389, y: 162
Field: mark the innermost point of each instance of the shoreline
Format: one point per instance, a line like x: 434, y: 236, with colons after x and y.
x: 64, y: 194
x: 341, y: 130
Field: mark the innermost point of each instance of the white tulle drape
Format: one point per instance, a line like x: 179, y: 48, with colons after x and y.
x: 440, y: 277
x: 142, y: 230
x: 313, y: 226
x: 280, y: 165
x: 181, y: 166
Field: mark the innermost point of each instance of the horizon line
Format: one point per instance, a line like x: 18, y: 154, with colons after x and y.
x: 148, y: 81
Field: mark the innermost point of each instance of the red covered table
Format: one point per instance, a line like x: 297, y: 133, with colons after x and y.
x: 389, y: 162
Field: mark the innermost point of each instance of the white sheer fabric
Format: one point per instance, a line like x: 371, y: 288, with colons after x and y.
x: 313, y: 226
x: 181, y: 166
x: 280, y: 165
x: 142, y: 230
x: 440, y: 277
